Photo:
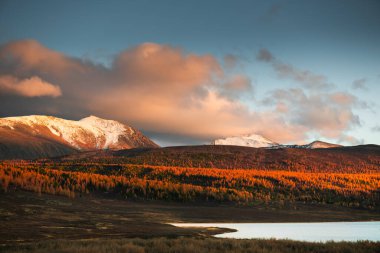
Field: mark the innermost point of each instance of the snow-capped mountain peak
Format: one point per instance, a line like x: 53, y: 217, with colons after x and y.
x: 258, y: 141
x: 86, y: 134
x: 322, y: 144
x: 110, y: 129
x: 251, y: 140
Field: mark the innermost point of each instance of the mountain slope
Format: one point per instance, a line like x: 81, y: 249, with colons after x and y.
x: 258, y: 141
x: 312, y: 145
x: 351, y: 159
x: 45, y: 136
x: 322, y: 144
x: 252, y: 140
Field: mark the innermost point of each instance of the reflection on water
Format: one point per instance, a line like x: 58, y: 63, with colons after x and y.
x: 312, y: 232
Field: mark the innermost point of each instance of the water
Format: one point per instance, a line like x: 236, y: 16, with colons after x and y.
x: 311, y: 232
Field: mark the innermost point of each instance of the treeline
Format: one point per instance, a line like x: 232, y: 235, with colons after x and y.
x: 69, y: 183
x: 196, y: 184
x: 360, y: 159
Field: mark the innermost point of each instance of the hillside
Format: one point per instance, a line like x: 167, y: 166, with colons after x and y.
x: 252, y: 140
x: 203, y: 185
x: 259, y: 141
x: 355, y: 159
x: 30, y: 137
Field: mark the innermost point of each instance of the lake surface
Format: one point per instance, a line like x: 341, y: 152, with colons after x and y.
x: 311, y: 232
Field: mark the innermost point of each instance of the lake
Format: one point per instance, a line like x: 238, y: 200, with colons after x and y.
x: 311, y: 232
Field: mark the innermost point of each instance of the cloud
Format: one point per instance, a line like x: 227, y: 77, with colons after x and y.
x: 237, y: 86
x: 29, y: 87
x: 350, y: 139
x: 27, y: 56
x: 265, y: 55
x: 239, y: 82
x: 167, y: 91
x: 153, y: 64
x: 151, y: 86
x: 375, y: 128
x: 322, y: 111
x: 287, y: 71
x: 359, y: 84
x: 230, y: 61
x: 326, y: 114
x: 342, y: 98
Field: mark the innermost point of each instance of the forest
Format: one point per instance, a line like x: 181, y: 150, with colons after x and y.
x: 170, y: 183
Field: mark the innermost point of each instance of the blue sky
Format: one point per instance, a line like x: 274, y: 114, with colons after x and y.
x: 337, y: 40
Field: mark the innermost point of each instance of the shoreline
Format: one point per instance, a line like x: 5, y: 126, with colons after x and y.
x: 28, y: 216
x: 352, y: 231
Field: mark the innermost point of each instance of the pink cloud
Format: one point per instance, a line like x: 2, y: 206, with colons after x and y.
x: 164, y: 67
x: 329, y: 114
x: 29, y: 87
x: 29, y: 56
x: 343, y: 98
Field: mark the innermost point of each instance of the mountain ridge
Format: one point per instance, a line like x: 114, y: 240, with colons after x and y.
x: 250, y: 140
x: 259, y: 141
x: 37, y: 135
x: 346, y: 159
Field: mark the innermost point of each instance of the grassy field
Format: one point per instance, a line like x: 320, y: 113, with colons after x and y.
x: 29, y: 217
x: 190, y: 245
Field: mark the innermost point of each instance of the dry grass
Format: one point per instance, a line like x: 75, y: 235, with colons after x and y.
x: 188, y: 245
x: 30, y: 217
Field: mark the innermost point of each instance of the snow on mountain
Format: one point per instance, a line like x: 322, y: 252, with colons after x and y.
x: 322, y: 144
x: 252, y: 140
x: 312, y: 145
x: 258, y: 141
x: 109, y: 129
x: 86, y: 134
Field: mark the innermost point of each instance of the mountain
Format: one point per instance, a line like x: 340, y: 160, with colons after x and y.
x: 322, y: 144
x: 252, y: 140
x: 46, y: 136
x: 258, y: 141
x: 312, y: 145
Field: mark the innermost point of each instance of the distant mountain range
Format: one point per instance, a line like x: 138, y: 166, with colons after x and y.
x: 312, y: 145
x: 37, y: 136
x: 350, y: 159
x: 253, y: 140
x: 258, y: 141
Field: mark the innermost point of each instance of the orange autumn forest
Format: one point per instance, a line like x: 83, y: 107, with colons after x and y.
x: 354, y: 183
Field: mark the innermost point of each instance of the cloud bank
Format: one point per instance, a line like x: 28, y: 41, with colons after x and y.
x: 314, y: 105
x: 165, y: 90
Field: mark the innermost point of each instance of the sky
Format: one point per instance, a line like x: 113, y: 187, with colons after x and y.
x: 187, y: 72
